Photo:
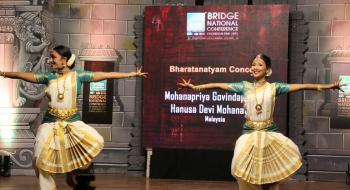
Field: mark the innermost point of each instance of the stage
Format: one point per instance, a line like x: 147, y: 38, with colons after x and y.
x: 208, y: 64
x: 122, y: 182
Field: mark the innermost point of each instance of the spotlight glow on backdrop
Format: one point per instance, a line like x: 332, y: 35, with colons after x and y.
x: 5, y: 84
x: 7, y: 117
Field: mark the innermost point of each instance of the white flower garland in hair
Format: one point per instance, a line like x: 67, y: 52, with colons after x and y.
x: 71, y: 60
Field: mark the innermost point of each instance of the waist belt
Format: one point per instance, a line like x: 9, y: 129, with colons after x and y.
x: 259, y: 125
x: 62, y: 114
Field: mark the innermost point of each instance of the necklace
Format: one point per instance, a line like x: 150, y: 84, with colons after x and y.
x: 258, y: 106
x: 60, y: 95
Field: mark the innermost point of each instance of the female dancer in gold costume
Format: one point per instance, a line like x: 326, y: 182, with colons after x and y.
x: 262, y: 156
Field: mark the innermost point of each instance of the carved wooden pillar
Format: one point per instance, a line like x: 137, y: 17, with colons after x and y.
x: 16, y: 133
x: 298, y: 34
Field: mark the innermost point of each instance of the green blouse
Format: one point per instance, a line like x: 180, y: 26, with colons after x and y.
x: 244, y: 87
x: 81, y: 77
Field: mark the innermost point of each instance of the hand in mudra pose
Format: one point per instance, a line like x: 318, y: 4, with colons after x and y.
x: 186, y: 84
x: 139, y: 73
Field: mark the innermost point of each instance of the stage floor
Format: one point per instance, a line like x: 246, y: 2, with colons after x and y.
x: 115, y: 182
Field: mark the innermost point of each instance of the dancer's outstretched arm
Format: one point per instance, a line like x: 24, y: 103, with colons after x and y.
x: 335, y: 85
x: 27, y: 76
x: 187, y: 84
x: 98, y: 76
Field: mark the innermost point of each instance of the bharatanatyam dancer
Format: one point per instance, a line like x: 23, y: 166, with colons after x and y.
x: 262, y: 157
x: 63, y: 142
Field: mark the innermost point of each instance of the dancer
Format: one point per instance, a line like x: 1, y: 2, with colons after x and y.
x: 63, y: 142
x: 262, y: 156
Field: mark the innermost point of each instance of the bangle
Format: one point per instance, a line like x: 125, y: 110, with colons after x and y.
x: 196, y: 88
x: 319, y: 87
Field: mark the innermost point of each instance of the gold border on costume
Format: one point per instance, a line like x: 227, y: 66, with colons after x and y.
x: 261, y: 155
x: 63, y: 142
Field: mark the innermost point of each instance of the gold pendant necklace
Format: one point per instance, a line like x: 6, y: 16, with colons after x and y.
x: 258, y: 106
x: 60, y: 95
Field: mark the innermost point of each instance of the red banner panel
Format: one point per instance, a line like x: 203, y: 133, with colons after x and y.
x: 206, y: 44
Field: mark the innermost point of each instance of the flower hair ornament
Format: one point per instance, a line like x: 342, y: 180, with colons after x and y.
x: 71, y: 60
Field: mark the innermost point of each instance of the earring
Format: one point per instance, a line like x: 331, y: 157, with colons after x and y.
x: 268, y: 73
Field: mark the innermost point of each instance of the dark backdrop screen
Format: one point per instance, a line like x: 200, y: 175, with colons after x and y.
x: 206, y: 44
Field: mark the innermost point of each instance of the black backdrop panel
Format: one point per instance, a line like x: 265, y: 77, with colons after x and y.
x: 191, y: 164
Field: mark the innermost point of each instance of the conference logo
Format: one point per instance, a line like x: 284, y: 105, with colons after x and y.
x: 195, y: 24
x: 212, y: 25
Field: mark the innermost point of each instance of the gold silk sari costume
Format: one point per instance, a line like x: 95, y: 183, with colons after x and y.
x: 63, y: 142
x: 262, y: 155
